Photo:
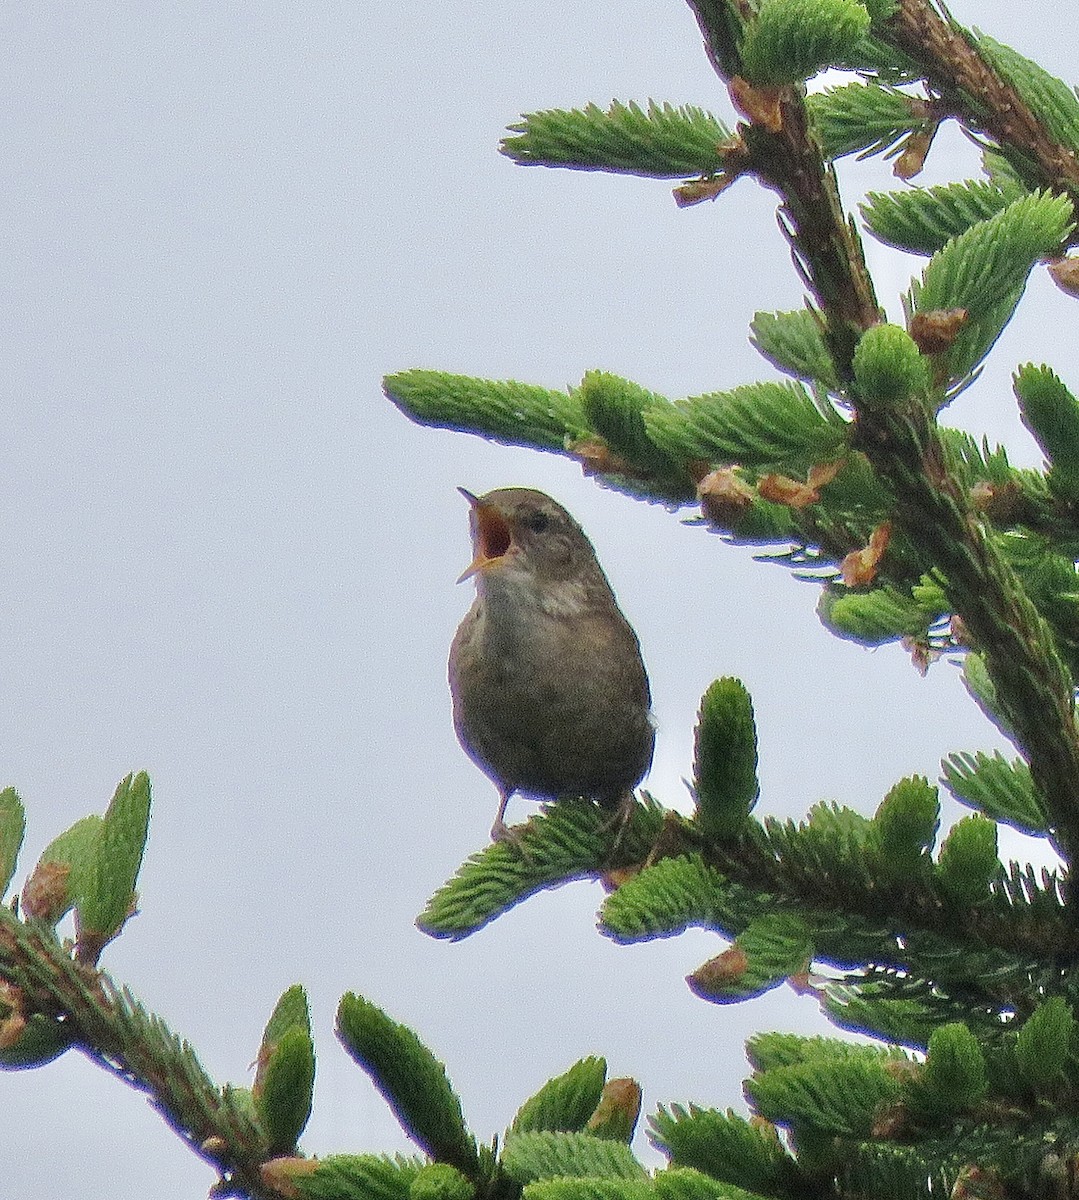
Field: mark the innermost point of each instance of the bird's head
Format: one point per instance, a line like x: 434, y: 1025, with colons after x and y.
x: 519, y: 535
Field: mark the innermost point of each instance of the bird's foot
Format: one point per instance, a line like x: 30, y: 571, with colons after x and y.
x: 509, y: 835
x: 620, y: 818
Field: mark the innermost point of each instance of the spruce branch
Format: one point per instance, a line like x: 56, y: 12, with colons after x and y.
x: 114, y: 1030
x: 564, y: 842
x: 825, y: 245
x: 900, y: 438
x: 660, y: 140
x: 977, y: 92
x: 1034, y: 688
x: 785, y: 860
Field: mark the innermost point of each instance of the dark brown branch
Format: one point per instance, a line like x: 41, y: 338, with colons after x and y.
x: 826, y: 248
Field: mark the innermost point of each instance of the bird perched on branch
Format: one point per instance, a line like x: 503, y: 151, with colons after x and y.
x: 550, y: 696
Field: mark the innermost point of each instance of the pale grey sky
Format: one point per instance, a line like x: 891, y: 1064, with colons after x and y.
x: 227, y: 560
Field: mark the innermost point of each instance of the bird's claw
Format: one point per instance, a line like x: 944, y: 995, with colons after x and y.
x: 620, y: 819
x: 511, y: 835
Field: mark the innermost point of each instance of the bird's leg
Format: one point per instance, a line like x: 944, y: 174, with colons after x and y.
x: 503, y: 834
x: 500, y: 831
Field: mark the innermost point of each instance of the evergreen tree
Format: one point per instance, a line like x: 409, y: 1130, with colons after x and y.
x: 958, y: 966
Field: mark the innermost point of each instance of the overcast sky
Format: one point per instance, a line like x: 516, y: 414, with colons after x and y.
x: 226, y: 559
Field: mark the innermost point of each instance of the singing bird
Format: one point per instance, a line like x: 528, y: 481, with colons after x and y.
x: 550, y: 696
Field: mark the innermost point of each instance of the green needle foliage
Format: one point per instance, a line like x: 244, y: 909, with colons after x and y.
x: 658, y: 140
x: 924, y: 220
x: 915, y: 533
x: 543, y: 1154
x: 725, y: 1147
x: 1003, y: 791
x: 354, y: 1175
x: 284, y: 1081
x: 106, y: 894
x: 864, y: 118
x: 725, y: 758
x: 565, y: 1102
x: 958, y: 968
x: 283, y: 1099
x: 1051, y: 413
x: 792, y: 40
x: 12, y: 828
x: 411, y: 1079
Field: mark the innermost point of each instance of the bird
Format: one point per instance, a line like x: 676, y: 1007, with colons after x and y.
x: 550, y: 694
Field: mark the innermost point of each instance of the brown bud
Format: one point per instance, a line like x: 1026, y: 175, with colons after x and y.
x: 724, y: 497
x: 859, y: 568
x: 1065, y: 274
x: 696, y: 191
x: 792, y: 492
x: 13, y: 1020
x: 802, y: 983
x: 780, y: 489
x: 709, y: 981
x: 922, y: 654
x: 732, y: 158
x: 761, y: 105
x: 935, y: 331
x: 280, y: 1174
x: 618, y: 1109
x: 12, y: 1028
x: 597, y: 458
x: 912, y: 157
x: 45, y: 894
x: 613, y: 879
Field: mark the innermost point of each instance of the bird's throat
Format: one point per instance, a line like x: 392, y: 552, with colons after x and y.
x: 518, y: 597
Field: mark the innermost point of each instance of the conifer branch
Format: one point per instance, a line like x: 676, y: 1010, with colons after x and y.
x: 901, y: 440
x: 1034, y: 688
x: 825, y: 246
x: 785, y: 155
x: 767, y: 860
x: 973, y: 89
x: 113, y: 1029
x: 956, y: 955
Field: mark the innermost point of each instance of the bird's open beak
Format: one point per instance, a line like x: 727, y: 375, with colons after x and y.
x: 490, y: 535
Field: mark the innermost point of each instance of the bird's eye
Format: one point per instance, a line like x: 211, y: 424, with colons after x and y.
x: 537, y: 521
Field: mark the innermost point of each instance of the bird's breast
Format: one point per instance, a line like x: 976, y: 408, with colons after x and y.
x: 552, y: 702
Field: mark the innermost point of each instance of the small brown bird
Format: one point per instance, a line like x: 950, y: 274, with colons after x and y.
x: 550, y: 696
